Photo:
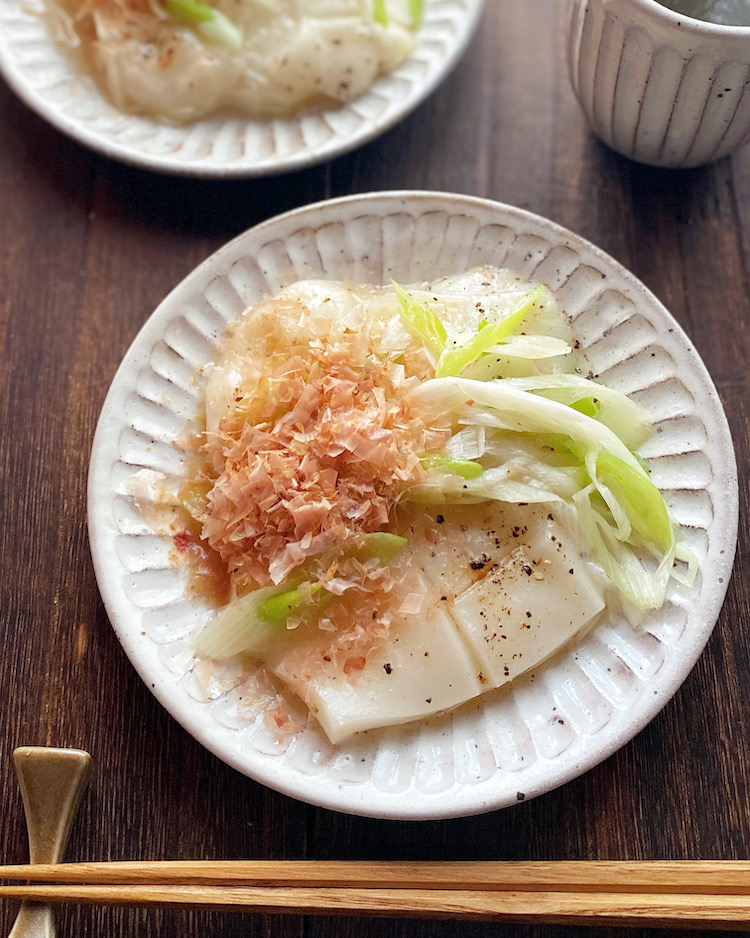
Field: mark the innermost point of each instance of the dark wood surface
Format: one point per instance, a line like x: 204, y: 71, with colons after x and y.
x: 87, y: 250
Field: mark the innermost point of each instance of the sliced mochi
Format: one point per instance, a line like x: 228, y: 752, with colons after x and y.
x: 530, y: 604
x: 423, y: 668
x: 499, y: 598
x: 455, y: 546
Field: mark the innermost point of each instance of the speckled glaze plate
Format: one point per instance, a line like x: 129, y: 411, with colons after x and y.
x: 50, y: 83
x: 512, y: 743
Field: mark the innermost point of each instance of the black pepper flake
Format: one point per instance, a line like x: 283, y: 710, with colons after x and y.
x: 571, y: 570
x: 520, y: 796
x: 428, y: 700
x: 440, y: 519
x: 387, y: 667
x: 528, y: 571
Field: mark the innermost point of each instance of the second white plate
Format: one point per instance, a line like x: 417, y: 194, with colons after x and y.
x: 508, y: 745
x: 49, y: 82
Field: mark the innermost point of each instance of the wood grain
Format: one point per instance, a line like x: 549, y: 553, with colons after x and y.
x: 89, y: 247
x: 663, y: 910
x: 691, y: 877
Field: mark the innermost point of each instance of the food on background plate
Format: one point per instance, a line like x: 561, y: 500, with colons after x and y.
x: 404, y: 497
x: 180, y: 60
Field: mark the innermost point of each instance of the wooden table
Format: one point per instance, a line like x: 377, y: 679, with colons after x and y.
x: 87, y: 250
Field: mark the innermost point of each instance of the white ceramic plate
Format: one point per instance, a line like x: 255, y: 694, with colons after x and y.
x: 43, y: 77
x: 510, y: 744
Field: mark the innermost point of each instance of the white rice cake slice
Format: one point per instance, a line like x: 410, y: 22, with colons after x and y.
x: 423, y: 668
x: 454, y: 547
x: 530, y: 604
x: 499, y: 599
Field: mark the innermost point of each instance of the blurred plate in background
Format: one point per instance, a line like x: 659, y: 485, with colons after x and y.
x: 49, y: 82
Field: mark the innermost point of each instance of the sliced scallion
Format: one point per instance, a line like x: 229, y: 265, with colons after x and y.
x: 249, y: 623
x: 454, y: 360
x: 465, y: 468
x: 639, y: 497
x: 589, y: 406
x: 211, y: 24
x: 380, y: 12
x: 421, y: 319
x: 280, y: 606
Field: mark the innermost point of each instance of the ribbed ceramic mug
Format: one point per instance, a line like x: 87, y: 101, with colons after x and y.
x: 659, y: 87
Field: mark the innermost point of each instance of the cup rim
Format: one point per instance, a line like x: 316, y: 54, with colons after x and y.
x: 701, y: 26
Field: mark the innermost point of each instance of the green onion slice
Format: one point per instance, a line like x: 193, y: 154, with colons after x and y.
x: 249, y: 623
x: 421, y: 319
x: 453, y: 361
x: 380, y: 12
x: 211, y: 24
x: 465, y: 468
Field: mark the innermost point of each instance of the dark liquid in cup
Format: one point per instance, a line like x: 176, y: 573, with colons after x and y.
x: 724, y: 12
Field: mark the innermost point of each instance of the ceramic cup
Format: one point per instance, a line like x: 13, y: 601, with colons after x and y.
x: 657, y: 86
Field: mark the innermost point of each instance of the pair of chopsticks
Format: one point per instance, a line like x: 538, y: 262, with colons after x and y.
x: 662, y: 893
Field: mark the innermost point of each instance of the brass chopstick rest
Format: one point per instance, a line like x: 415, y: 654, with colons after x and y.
x: 52, y: 782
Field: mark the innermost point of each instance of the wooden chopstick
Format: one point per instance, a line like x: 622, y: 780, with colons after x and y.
x: 707, y: 877
x: 730, y: 912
